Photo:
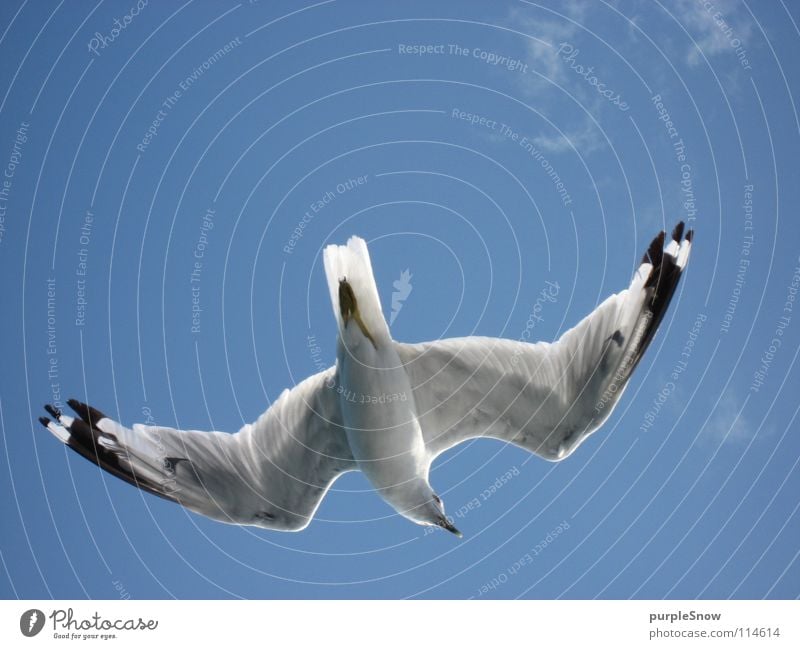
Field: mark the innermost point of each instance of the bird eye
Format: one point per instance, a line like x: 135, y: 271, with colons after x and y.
x: 437, y: 499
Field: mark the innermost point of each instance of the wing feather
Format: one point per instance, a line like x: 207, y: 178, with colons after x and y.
x: 272, y: 473
x: 544, y: 397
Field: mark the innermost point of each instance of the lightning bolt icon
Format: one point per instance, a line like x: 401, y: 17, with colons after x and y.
x: 32, y: 621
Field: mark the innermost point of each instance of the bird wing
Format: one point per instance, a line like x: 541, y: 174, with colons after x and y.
x: 544, y: 397
x: 272, y: 473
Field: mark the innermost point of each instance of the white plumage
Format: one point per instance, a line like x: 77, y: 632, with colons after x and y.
x: 388, y: 408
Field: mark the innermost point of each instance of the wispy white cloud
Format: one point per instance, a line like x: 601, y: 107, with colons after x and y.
x: 585, y: 141
x: 727, y: 423
x: 717, y: 26
x: 543, y: 53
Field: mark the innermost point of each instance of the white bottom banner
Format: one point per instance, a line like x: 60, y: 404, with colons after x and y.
x: 383, y: 624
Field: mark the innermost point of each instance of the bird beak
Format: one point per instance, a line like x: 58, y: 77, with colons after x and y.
x: 348, y: 306
x: 447, y: 525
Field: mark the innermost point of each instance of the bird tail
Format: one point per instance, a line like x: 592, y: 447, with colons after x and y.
x: 351, y: 262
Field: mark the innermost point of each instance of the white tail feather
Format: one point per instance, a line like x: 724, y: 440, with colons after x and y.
x: 351, y: 262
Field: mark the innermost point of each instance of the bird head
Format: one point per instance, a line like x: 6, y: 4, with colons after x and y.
x: 429, y: 510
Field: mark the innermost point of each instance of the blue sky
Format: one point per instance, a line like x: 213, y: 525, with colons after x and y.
x: 199, y: 137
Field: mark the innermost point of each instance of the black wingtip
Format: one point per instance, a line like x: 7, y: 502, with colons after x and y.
x: 54, y: 412
x: 44, y: 421
x: 662, y: 282
x: 90, y: 415
x: 690, y: 235
x: 656, y: 250
x: 677, y: 233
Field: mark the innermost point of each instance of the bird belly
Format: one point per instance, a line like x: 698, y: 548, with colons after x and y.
x: 380, y: 419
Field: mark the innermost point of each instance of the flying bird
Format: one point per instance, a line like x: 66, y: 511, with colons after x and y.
x: 389, y: 409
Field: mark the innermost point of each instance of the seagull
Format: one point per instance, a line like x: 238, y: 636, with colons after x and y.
x: 389, y: 409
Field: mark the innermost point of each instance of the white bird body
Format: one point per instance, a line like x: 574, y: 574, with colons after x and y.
x: 389, y: 409
x: 375, y: 395
x: 379, y: 416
